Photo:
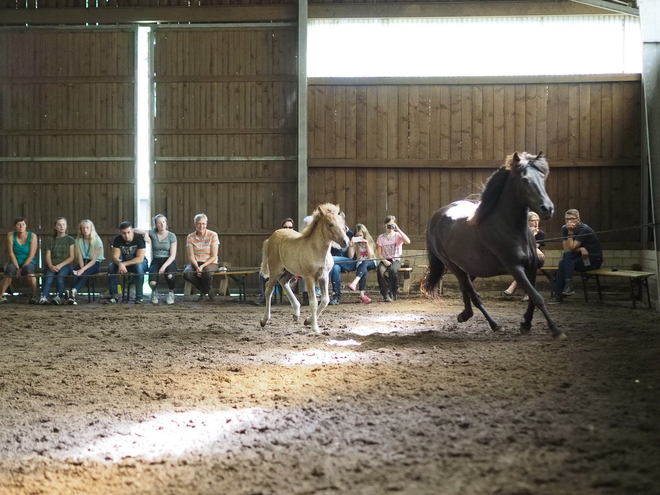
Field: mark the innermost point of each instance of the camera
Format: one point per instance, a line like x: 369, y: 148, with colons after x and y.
x: 390, y: 225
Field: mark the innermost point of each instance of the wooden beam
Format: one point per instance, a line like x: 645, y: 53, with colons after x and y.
x: 465, y: 164
x: 453, y: 9
x: 127, y: 15
x: 465, y: 80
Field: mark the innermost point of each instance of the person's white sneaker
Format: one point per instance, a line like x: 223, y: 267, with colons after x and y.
x: 154, y: 297
x: 43, y: 300
x: 170, y: 298
x: 56, y: 301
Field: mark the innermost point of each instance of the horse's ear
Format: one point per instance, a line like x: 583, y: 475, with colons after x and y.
x: 516, y: 158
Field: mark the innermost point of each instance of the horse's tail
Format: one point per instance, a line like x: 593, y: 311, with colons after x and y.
x: 264, y: 260
x: 432, y: 276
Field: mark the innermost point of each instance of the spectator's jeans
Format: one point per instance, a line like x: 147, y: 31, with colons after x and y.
x: 572, y: 262
x: 156, y: 263
x: 78, y: 282
x: 388, y: 278
x: 138, y: 269
x: 61, y: 276
x: 204, y: 283
x: 361, y: 271
x: 342, y: 264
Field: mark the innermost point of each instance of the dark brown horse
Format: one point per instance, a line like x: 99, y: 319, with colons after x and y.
x: 492, y: 237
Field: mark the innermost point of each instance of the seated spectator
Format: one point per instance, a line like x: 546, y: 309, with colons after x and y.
x: 58, y: 259
x: 22, y: 249
x: 343, y: 264
x: 163, y: 253
x: 202, y: 246
x: 582, y: 253
x: 89, y: 255
x: 362, y: 245
x: 128, y: 256
x: 390, y: 251
x: 533, y: 220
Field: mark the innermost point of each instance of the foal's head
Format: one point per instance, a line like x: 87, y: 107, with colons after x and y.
x: 328, y: 223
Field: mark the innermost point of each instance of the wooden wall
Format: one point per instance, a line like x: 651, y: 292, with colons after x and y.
x: 66, y: 128
x: 407, y: 149
x: 225, y: 133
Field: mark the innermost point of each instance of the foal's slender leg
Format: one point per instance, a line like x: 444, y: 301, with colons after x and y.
x: 313, y: 304
x: 285, y: 280
x: 270, y: 286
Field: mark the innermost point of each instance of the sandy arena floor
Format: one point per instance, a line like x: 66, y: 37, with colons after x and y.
x: 197, y: 398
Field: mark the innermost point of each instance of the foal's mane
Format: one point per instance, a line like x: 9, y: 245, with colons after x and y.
x: 494, y: 186
x: 319, y: 212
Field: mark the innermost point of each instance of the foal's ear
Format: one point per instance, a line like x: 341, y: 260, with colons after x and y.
x: 540, y: 155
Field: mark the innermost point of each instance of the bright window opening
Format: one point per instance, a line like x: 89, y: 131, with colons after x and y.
x: 482, y: 46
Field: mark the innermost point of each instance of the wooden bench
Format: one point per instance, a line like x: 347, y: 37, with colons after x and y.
x: 226, y: 273
x: 637, y: 280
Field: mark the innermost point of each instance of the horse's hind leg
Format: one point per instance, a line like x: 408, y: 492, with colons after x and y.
x: 470, y: 294
x: 285, y: 280
x: 463, y: 284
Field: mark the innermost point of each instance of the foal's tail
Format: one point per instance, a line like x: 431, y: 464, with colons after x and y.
x: 264, y: 260
x: 432, y: 276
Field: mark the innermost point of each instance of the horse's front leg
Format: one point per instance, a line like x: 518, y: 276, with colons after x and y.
x: 527, y: 282
x: 270, y: 286
x: 313, y: 304
x: 284, y: 282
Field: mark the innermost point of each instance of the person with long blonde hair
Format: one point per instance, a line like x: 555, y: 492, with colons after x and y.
x: 89, y: 255
x: 363, y: 248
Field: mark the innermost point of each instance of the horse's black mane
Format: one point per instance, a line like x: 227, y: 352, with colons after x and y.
x: 494, y: 186
x: 491, y: 192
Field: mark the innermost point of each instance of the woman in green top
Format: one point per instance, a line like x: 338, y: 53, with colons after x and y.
x: 22, y: 248
x: 58, y: 259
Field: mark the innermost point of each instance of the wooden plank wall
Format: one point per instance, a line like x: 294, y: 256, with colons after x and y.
x: 408, y: 149
x: 225, y: 133
x: 66, y: 128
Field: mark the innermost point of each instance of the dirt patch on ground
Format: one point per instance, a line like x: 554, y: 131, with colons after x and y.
x: 389, y: 398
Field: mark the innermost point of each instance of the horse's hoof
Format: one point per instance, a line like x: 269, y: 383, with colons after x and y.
x: 525, y: 328
x: 560, y: 336
x: 497, y: 328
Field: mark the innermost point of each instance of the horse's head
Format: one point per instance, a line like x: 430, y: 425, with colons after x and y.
x: 531, y: 172
x: 329, y: 221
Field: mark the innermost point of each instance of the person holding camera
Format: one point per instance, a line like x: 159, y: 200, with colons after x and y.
x: 390, y: 249
x: 362, y: 247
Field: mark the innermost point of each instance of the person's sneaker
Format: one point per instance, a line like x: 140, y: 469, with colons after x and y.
x: 42, y: 300
x: 113, y: 300
x: 72, y: 300
x: 395, y: 297
x: 568, y: 291
x: 138, y: 300
x: 317, y: 291
x: 211, y: 296
x: 365, y: 299
x: 56, y: 301
x: 201, y: 298
x: 387, y: 298
x: 154, y: 297
x: 3, y: 299
x: 352, y: 286
x: 305, y: 299
x: 556, y: 299
x: 334, y: 301
x: 170, y: 298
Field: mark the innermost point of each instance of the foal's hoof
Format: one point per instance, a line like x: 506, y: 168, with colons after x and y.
x: 263, y: 322
x: 295, y: 317
x: 308, y: 321
x: 525, y: 328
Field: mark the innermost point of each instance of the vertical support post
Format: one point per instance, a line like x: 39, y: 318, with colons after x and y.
x: 302, y: 111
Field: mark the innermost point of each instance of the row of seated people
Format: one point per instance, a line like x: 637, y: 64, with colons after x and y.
x: 62, y: 252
